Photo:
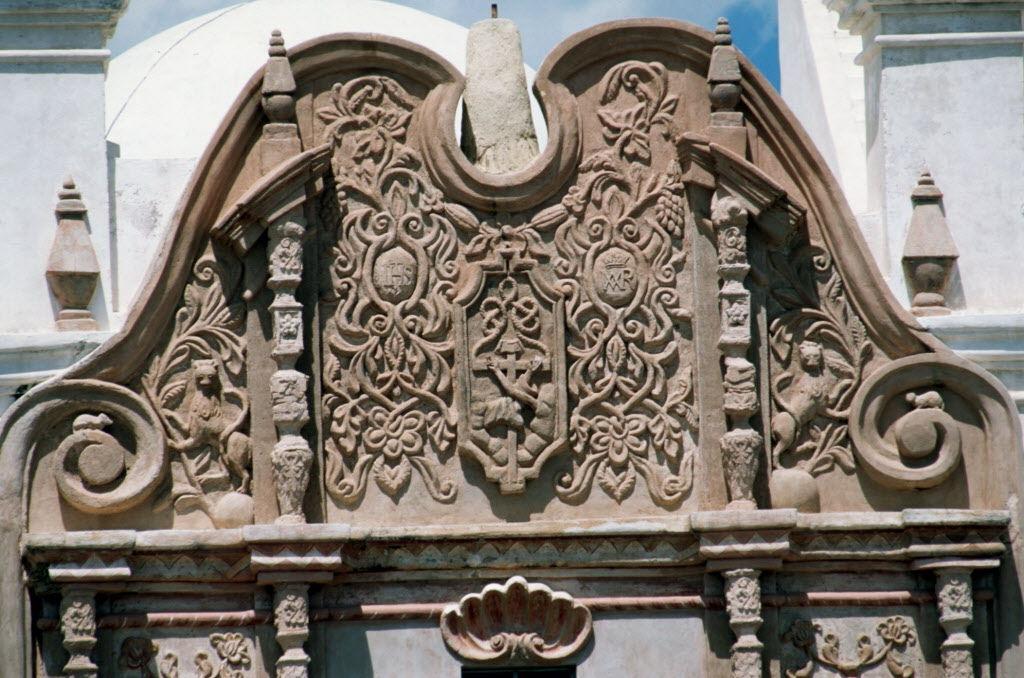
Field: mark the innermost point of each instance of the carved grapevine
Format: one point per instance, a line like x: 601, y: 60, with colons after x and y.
x: 392, y: 274
x: 620, y: 258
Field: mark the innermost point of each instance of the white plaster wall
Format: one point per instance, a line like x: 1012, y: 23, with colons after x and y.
x: 959, y: 111
x: 663, y: 645
x: 51, y: 125
x: 824, y: 87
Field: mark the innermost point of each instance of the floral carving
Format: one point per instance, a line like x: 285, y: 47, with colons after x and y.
x: 291, y: 617
x: 620, y: 261
x: 956, y: 612
x: 196, y: 383
x: 821, y: 352
x: 232, y: 651
x: 516, y: 622
x: 894, y: 632
x: 391, y: 283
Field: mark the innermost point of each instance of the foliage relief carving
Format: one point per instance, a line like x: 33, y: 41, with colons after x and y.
x: 895, y: 633
x: 620, y: 254
x: 821, y: 353
x: 196, y: 384
x: 392, y: 273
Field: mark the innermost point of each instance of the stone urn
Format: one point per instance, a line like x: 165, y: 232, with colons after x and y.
x: 794, y: 488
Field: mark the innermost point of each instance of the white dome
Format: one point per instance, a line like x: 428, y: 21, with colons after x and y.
x: 167, y: 95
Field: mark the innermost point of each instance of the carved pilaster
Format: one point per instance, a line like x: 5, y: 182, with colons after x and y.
x: 741, y: 444
x: 956, y: 612
x: 291, y: 618
x: 292, y: 456
x: 78, y: 625
x: 743, y: 603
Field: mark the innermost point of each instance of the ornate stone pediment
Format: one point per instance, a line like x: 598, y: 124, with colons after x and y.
x: 669, y: 312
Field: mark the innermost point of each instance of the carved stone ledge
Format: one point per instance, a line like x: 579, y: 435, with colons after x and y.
x: 516, y: 622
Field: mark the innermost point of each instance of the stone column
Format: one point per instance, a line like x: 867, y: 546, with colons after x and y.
x: 291, y: 618
x: 955, y: 600
x: 743, y: 603
x: 741, y: 444
x: 956, y: 612
x: 78, y: 625
x: 292, y: 456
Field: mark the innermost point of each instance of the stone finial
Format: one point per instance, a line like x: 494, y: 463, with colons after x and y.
x: 280, y: 135
x: 497, y: 128
x: 278, y: 82
x: 724, y: 78
x: 929, y: 253
x: 72, y: 270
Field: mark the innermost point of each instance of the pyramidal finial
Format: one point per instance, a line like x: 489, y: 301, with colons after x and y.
x: 278, y: 82
x: 276, y: 44
x: 926, y: 189
x: 723, y: 33
x: 72, y: 270
x: 68, y: 190
x: 929, y: 252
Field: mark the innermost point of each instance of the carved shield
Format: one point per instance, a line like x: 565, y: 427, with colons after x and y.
x: 510, y: 353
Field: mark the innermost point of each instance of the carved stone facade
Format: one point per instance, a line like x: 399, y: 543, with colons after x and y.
x: 653, y: 375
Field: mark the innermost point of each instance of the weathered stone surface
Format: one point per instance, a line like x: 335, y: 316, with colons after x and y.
x: 599, y: 372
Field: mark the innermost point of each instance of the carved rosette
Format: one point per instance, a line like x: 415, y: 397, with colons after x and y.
x: 291, y: 618
x: 291, y: 456
x: 621, y: 242
x: 78, y: 625
x: 956, y: 612
x: 516, y: 622
x: 743, y: 604
x: 390, y: 256
x: 741, y: 444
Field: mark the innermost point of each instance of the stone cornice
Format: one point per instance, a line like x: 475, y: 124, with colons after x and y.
x: 43, y: 25
x: 704, y: 538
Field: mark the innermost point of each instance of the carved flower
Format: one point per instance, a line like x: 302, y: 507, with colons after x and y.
x: 233, y: 649
x: 618, y: 437
x: 897, y: 631
x: 394, y: 434
x: 393, y: 437
x: 801, y: 633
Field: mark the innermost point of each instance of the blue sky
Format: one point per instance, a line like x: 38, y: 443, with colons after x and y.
x: 543, y: 23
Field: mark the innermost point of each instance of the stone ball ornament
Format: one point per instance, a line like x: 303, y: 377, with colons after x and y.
x: 922, y: 446
x: 96, y: 471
